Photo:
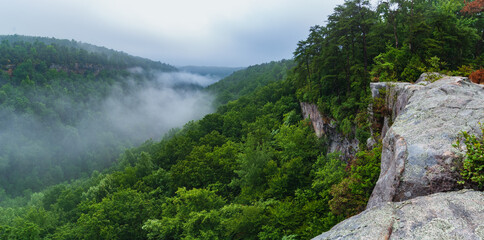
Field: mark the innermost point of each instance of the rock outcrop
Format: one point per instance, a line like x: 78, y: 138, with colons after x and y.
x: 324, y: 126
x: 311, y: 111
x: 418, y: 158
x: 451, y: 215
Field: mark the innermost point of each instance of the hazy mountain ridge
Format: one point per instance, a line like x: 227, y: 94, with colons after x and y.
x: 113, y: 57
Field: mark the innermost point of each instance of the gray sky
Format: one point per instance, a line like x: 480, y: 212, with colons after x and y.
x: 177, y: 32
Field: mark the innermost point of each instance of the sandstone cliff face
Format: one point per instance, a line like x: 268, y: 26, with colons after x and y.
x: 451, y: 215
x: 418, y: 158
x: 324, y: 127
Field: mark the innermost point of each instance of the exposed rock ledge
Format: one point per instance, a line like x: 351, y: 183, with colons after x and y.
x: 451, y: 215
x: 418, y: 158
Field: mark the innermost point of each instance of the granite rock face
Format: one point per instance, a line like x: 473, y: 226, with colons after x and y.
x: 418, y: 158
x: 450, y: 215
x: 324, y: 126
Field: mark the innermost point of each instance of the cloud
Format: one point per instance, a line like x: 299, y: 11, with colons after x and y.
x: 185, y: 77
x: 185, y: 32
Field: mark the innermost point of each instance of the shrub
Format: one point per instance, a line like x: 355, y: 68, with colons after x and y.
x: 473, y: 161
x: 464, y: 70
x: 477, y: 76
x: 351, y: 195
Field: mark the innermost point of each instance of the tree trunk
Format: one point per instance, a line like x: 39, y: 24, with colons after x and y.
x: 411, y: 28
x: 395, y: 28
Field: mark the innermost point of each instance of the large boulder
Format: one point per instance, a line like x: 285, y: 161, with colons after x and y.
x: 418, y: 158
x: 450, y: 215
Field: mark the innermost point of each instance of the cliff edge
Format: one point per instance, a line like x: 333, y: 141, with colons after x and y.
x: 417, y: 195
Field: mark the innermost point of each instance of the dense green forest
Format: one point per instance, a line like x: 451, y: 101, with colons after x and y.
x: 254, y: 169
x: 49, y: 94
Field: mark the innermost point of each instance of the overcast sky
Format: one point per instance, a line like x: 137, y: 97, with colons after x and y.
x: 178, y: 32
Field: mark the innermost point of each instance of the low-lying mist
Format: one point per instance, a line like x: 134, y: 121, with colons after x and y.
x: 35, y: 152
x: 152, y: 108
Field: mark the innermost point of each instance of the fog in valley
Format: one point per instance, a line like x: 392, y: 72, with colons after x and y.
x: 98, y: 131
x: 151, y: 109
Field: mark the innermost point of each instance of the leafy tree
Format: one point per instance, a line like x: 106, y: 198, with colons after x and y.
x: 189, y: 215
x: 118, y: 216
x: 255, y: 165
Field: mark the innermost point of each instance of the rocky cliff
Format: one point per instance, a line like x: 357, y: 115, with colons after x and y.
x: 325, y: 127
x: 418, y: 158
x: 423, y: 121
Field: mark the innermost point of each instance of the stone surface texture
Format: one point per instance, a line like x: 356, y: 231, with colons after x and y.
x: 450, y: 215
x: 418, y: 158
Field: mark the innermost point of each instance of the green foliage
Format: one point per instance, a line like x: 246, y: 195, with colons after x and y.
x: 352, y: 193
x: 118, y: 216
x: 413, y: 69
x: 464, y: 70
x: 328, y: 170
x: 390, y: 64
x: 346, y: 127
x: 256, y: 164
x: 433, y: 69
x: 252, y: 170
x: 66, y: 53
x: 473, y: 161
x: 191, y: 214
x: 434, y: 64
x: 396, y: 41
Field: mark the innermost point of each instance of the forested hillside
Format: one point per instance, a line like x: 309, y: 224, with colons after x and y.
x: 244, y: 82
x: 241, y: 172
x: 66, y: 53
x: 254, y: 169
x: 51, y: 109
